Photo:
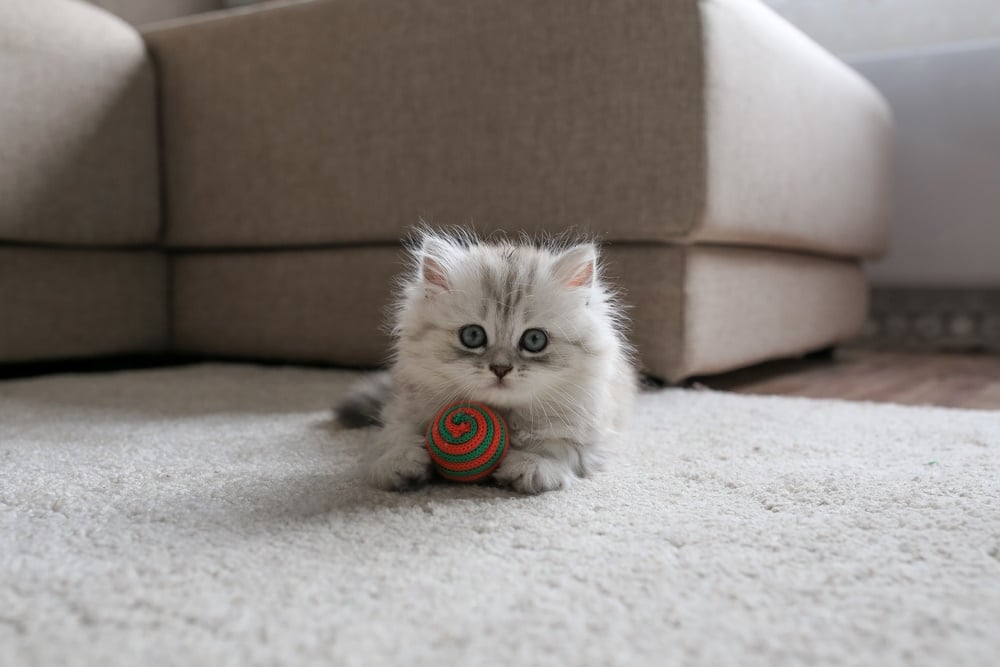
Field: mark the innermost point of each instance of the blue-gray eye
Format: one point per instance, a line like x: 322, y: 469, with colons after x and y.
x: 534, y: 340
x: 472, y: 336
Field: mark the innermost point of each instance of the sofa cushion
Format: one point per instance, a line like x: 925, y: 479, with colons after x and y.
x: 664, y: 120
x: 347, y: 120
x: 314, y: 306
x: 78, y: 161
x: 700, y: 309
x: 734, y: 307
x: 63, y: 303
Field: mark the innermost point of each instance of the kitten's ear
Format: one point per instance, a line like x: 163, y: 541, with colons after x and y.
x: 577, y: 266
x: 433, y: 263
x: 433, y: 273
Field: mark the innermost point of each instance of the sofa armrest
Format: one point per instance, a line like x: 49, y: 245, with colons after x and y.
x: 78, y: 163
x: 799, y: 145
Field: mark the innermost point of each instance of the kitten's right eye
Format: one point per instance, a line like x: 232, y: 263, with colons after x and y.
x: 472, y: 336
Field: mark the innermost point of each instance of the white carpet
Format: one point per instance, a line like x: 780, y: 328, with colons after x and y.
x: 210, y: 515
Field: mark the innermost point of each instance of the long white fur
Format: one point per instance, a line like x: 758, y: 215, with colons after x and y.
x: 562, y: 405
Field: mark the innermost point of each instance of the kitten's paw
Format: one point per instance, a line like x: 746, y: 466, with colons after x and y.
x: 400, y: 468
x: 530, y: 473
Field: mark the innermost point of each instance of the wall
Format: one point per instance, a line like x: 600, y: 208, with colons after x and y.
x: 945, y: 227
x: 138, y: 12
x: 938, y: 64
x: 851, y: 27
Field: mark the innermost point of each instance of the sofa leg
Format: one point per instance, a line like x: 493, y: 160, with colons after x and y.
x: 652, y: 383
x: 823, y: 354
x: 647, y: 381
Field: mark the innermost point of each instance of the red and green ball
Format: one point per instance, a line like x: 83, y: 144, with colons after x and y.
x: 466, y: 441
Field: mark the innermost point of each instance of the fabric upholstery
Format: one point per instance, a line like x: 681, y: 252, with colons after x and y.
x: 628, y: 119
x: 743, y: 306
x: 315, y: 305
x: 347, y: 120
x: 300, y: 139
x: 703, y: 309
x: 78, y: 162
x: 697, y: 309
x: 798, y: 144
x: 62, y: 303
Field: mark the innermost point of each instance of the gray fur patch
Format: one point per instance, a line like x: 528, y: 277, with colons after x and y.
x: 363, y: 407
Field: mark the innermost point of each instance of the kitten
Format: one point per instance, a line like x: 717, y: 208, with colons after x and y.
x: 529, y: 329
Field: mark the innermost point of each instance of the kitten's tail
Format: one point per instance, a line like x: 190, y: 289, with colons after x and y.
x: 363, y: 406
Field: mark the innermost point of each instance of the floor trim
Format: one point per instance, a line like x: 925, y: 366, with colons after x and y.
x: 907, y: 318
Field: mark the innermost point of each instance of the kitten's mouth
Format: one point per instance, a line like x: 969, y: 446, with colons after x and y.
x: 499, y: 385
x: 504, y: 394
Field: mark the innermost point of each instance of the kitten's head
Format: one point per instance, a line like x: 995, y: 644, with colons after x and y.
x: 509, y: 324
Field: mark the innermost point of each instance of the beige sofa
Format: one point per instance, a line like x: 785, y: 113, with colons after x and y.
x: 236, y: 183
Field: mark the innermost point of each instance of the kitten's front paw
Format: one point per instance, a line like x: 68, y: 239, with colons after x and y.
x: 529, y: 473
x: 400, y: 468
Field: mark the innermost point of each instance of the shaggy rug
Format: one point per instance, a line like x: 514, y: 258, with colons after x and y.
x: 212, y: 515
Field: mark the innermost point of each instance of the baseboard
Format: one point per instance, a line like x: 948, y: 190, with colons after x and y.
x: 934, y: 319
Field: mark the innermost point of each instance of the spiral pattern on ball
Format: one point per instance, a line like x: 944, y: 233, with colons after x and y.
x: 466, y: 441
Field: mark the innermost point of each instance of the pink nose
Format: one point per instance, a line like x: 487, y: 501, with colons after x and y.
x: 500, y: 371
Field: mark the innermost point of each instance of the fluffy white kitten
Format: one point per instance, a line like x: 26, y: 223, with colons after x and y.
x: 529, y: 329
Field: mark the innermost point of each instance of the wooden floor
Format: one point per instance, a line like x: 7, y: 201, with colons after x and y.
x: 951, y: 380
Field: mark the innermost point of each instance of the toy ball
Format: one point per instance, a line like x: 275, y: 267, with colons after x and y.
x: 466, y: 441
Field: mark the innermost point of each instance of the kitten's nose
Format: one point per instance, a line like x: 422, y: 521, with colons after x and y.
x: 500, y: 371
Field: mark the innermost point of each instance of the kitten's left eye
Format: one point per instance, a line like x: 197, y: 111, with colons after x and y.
x: 534, y: 340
